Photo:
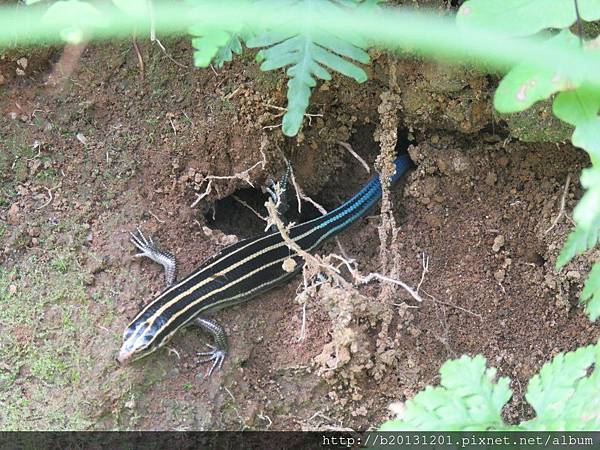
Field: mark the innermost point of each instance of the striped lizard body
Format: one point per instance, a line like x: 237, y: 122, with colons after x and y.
x: 235, y: 274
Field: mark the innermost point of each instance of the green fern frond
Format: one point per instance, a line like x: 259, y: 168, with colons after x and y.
x: 580, y: 240
x: 565, y: 396
x: 469, y: 398
x: 308, y: 55
x: 590, y: 296
x: 587, y: 217
x: 214, y: 44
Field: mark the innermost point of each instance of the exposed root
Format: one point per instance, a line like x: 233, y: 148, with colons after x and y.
x: 356, y: 155
x: 561, y: 212
x: 139, y: 57
x: 244, y: 175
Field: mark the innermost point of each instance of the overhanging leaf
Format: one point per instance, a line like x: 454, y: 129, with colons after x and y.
x: 213, y: 44
x: 590, y: 297
x: 468, y: 398
x: 587, y: 137
x: 563, y: 395
x: 580, y: 240
x: 133, y: 7
x: 577, y: 106
x: 308, y: 55
x: 524, y: 17
x: 85, y: 17
x: 525, y: 84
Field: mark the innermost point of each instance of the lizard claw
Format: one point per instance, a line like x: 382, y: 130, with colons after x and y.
x: 215, y: 355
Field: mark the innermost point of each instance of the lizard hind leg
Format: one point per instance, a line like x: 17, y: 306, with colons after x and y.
x: 218, y: 351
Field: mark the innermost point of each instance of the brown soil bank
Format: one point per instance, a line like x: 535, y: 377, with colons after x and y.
x: 82, y: 164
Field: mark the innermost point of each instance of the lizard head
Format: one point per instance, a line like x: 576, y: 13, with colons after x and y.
x: 140, y: 338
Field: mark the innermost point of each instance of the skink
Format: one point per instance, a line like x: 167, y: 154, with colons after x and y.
x: 234, y: 275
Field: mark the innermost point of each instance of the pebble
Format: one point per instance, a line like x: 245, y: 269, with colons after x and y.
x: 498, y: 243
x: 491, y: 179
x: 573, y: 274
x: 499, y: 275
x: 13, y: 214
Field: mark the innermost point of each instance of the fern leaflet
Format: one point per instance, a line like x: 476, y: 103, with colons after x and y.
x: 590, y: 296
x: 308, y: 55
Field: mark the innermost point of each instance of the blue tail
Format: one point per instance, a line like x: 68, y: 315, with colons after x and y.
x: 343, y: 216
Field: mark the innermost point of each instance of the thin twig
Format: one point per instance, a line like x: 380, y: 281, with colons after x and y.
x: 244, y: 175
x: 453, y: 306
x: 425, y: 263
x: 301, y: 195
x: 353, y: 153
x: 156, y: 217
x: 406, y: 287
x: 139, y: 58
x: 299, y: 192
x: 303, y: 327
x: 561, y: 212
x: 256, y: 213
x: 50, y: 197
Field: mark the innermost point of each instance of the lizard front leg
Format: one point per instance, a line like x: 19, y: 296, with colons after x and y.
x: 149, y: 249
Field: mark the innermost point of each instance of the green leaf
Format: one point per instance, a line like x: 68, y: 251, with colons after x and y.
x: 587, y: 211
x: 516, y: 17
x: 308, y: 55
x: 468, y: 398
x: 587, y: 217
x: 587, y: 137
x: 214, y: 44
x: 563, y: 395
x: 590, y: 297
x: 132, y: 7
x: 524, y: 17
x: 525, y: 84
x: 580, y: 240
x: 589, y: 10
x: 577, y: 106
x: 84, y: 17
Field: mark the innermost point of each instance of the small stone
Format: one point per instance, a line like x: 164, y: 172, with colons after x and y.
x: 81, y: 138
x: 12, y: 289
x: 498, y: 243
x: 13, y: 214
x: 460, y: 164
x: 499, y: 275
x: 97, y: 265
x: 33, y: 231
x: 491, y: 179
x: 573, y: 274
x: 89, y: 279
x: 22, y: 62
x: 289, y: 265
